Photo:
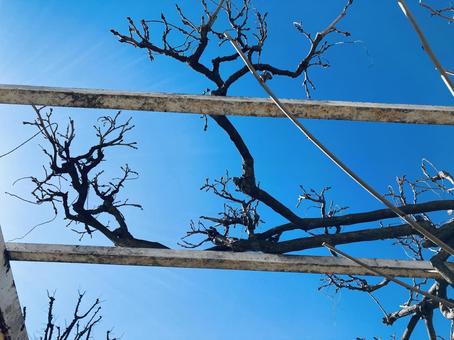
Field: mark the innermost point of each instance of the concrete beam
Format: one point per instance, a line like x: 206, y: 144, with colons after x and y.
x: 235, y: 106
x: 215, y: 260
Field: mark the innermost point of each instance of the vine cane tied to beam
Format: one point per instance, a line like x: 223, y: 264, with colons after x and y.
x: 415, y: 225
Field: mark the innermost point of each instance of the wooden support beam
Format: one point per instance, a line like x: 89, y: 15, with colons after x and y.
x: 235, y: 106
x: 12, y: 323
x: 215, y: 260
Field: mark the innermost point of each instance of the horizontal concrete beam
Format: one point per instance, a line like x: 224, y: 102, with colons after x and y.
x: 214, y: 260
x: 235, y: 106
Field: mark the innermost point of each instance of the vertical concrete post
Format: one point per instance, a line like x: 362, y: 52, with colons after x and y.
x: 12, y: 323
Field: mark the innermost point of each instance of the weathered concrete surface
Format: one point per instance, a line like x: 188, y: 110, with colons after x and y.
x: 214, y: 260
x: 12, y: 325
x: 236, y: 106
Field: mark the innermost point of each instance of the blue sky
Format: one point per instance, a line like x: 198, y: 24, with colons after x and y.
x: 59, y: 43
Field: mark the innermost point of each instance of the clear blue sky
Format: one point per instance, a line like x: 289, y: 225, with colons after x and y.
x: 60, y: 43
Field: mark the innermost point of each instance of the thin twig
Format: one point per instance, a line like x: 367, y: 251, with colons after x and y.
x: 378, y: 304
x: 32, y: 229
x: 24, y: 142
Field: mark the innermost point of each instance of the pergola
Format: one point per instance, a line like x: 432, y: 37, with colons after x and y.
x: 12, y: 324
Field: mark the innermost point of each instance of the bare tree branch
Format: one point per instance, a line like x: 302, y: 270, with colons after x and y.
x: 446, y: 12
x: 77, y: 171
x: 81, y: 325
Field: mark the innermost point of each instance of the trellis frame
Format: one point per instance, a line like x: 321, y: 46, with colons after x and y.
x: 12, y: 324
